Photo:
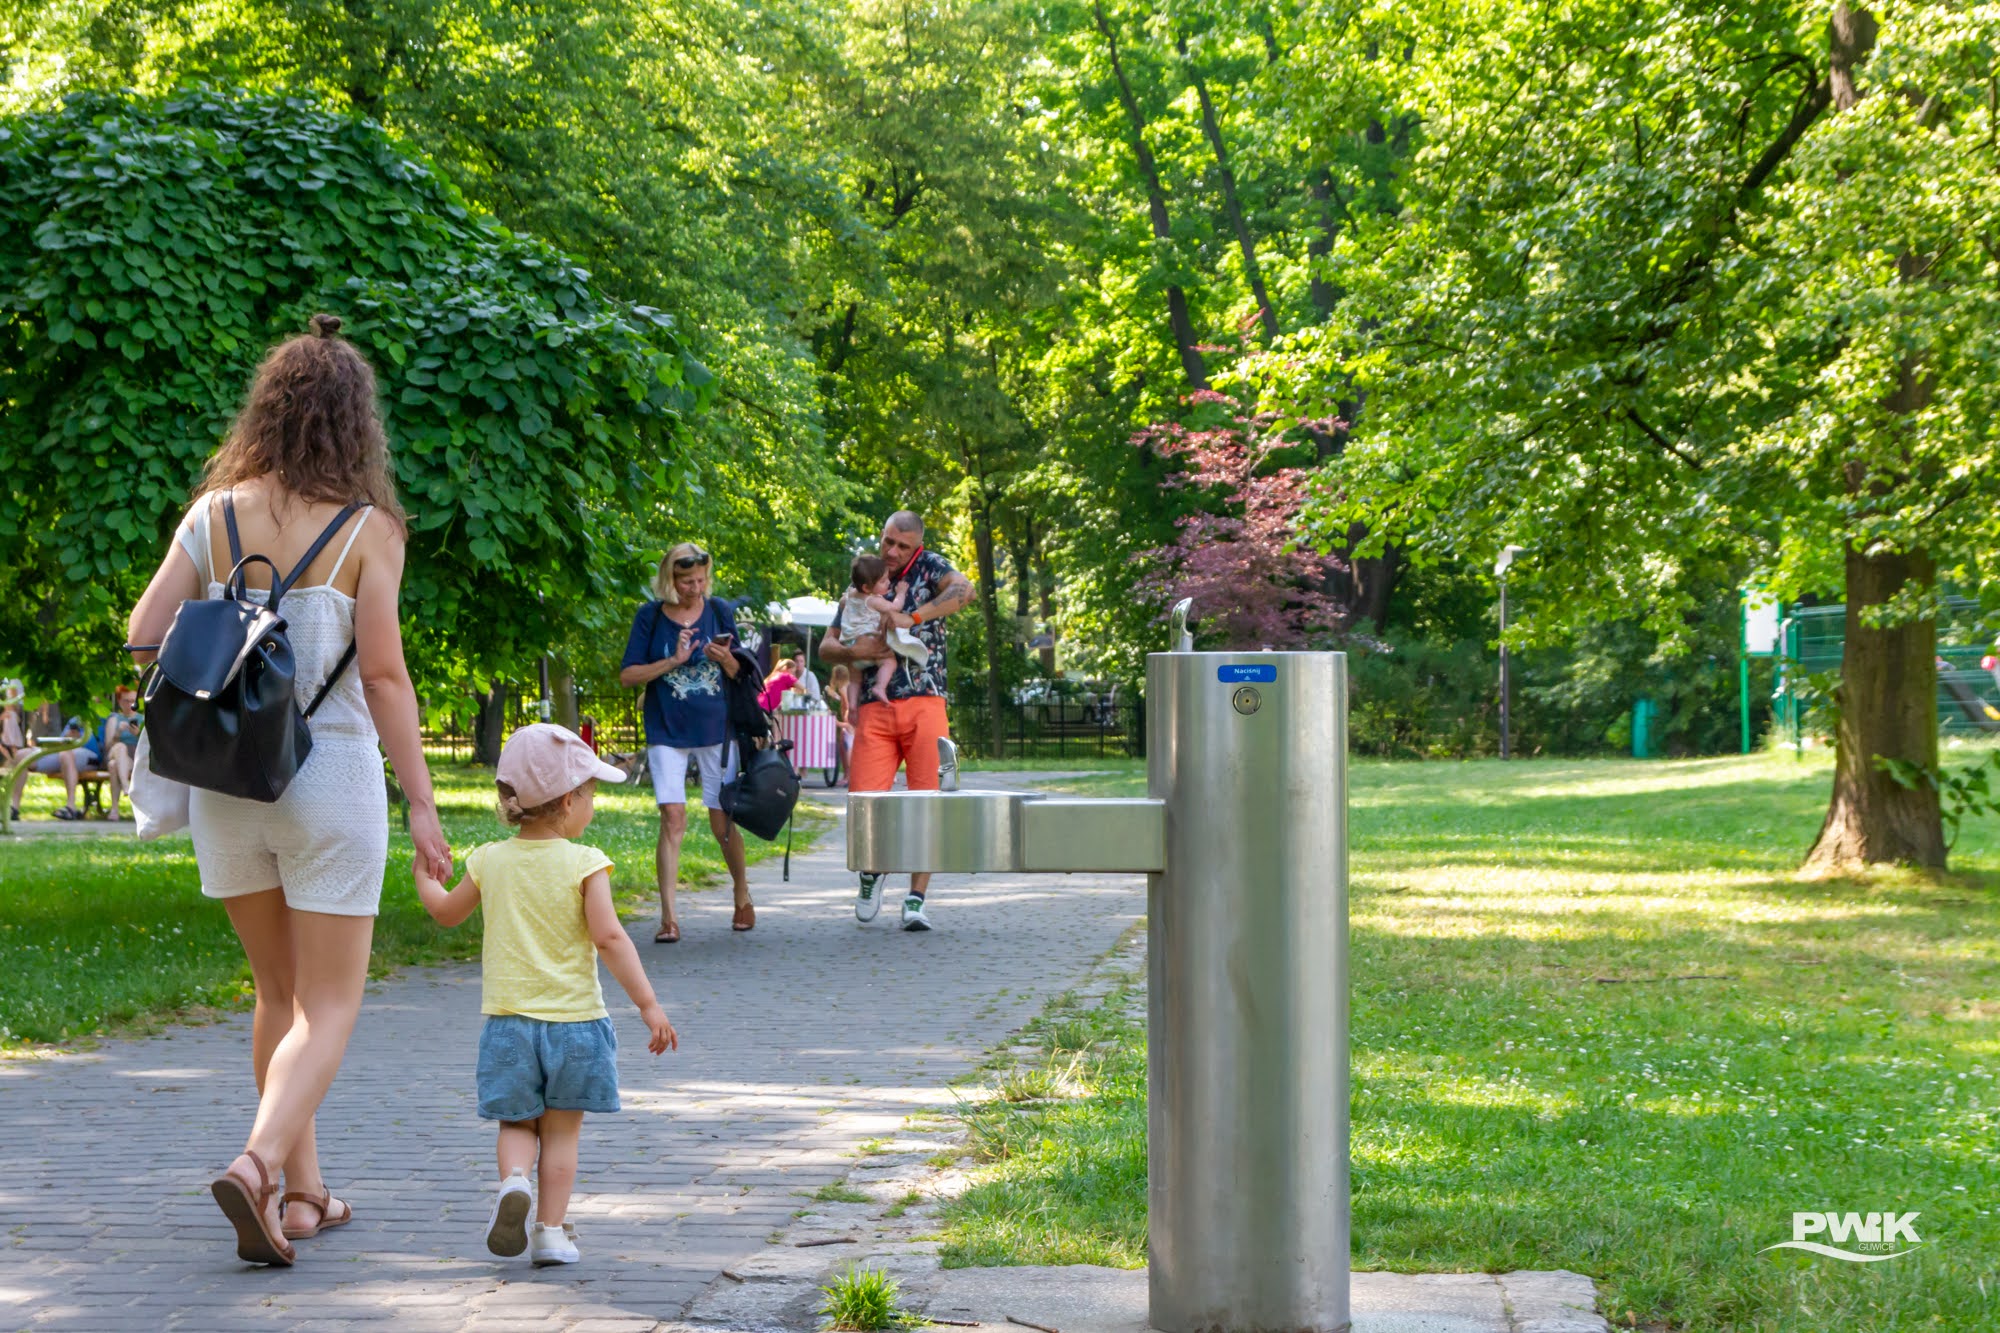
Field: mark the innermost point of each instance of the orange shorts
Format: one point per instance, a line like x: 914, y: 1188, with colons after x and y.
x: 900, y: 733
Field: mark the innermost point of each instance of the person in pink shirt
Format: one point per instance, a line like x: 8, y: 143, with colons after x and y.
x: 775, y: 686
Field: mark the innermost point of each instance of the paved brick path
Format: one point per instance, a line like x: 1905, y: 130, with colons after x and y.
x: 800, y: 1040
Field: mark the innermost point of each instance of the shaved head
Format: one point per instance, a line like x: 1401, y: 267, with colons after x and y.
x: 904, y: 520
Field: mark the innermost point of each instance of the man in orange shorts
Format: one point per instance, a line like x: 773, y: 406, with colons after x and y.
x: 902, y: 730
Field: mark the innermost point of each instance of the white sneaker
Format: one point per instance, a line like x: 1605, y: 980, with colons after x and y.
x: 913, y: 914
x: 554, y: 1245
x: 868, y: 900
x: 507, y: 1233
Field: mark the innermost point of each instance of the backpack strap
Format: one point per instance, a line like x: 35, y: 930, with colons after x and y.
x: 326, y: 535
x: 229, y: 522
x: 279, y: 586
x: 332, y: 678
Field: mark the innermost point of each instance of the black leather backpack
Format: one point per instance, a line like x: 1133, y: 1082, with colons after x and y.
x: 762, y: 796
x: 220, y: 707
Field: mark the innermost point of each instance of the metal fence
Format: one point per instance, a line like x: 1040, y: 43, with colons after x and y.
x: 1083, y: 726
x: 613, y: 717
x: 1968, y: 694
x: 1078, y: 726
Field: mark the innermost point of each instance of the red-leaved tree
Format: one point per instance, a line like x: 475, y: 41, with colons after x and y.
x: 1255, y: 584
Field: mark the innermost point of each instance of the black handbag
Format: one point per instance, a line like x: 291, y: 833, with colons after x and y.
x: 221, y: 711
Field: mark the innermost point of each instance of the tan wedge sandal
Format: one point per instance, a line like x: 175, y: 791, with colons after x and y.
x: 332, y: 1213
x: 243, y: 1204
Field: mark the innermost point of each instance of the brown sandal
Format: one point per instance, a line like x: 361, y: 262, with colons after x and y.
x: 328, y: 1218
x: 243, y: 1204
x: 668, y: 934
x: 745, y: 918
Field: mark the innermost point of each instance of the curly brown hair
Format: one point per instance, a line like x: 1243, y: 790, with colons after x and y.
x: 311, y: 420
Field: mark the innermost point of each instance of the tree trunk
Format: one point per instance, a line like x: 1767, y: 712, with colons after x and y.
x: 1324, y: 294
x: 1887, y: 707
x: 1049, y: 621
x: 1888, y: 677
x: 562, y: 692
x: 1212, y: 128
x: 989, y: 608
x: 489, y: 730
x: 1156, y: 203
x: 1374, y: 580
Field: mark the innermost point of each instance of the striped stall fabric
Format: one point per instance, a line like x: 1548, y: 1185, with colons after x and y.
x: 811, y: 735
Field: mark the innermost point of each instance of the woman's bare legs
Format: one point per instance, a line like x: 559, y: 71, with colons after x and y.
x: 327, y: 960
x: 730, y: 838
x: 264, y: 924
x: 119, y: 764
x: 667, y: 858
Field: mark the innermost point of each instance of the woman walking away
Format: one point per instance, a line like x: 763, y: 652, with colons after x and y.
x: 680, y: 650
x: 301, y: 877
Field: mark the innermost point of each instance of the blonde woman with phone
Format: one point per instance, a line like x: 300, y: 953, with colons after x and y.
x: 679, y: 653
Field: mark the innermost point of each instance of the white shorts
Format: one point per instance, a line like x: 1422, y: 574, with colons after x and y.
x: 325, y: 842
x: 670, y: 772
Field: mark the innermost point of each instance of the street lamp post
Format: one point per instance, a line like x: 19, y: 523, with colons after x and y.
x: 1507, y: 554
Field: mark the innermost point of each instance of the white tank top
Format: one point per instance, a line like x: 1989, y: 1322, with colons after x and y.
x: 319, y: 622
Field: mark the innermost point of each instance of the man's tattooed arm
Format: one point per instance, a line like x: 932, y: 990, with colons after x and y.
x: 954, y: 594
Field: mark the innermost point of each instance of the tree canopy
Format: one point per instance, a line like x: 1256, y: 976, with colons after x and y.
x: 1674, y: 295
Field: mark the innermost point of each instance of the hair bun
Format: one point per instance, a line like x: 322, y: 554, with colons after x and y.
x: 326, y: 325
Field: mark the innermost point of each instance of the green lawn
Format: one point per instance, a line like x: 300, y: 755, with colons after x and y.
x: 1597, y: 1025
x: 104, y: 933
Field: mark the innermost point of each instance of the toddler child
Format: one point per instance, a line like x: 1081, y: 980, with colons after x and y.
x: 862, y: 607
x: 548, y: 1052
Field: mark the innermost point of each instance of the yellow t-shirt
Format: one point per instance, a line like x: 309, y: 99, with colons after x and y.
x: 538, y: 959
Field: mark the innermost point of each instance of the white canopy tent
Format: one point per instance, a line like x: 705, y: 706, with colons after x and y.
x: 808, y: 613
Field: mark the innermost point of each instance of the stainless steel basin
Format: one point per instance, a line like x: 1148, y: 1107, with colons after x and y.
x: 972, y: 831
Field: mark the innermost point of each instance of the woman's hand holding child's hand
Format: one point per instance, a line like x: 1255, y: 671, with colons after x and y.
x: 448, y: 907
x: 663, y: 1038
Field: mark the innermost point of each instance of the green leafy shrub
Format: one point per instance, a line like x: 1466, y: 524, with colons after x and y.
x: 152, y: 249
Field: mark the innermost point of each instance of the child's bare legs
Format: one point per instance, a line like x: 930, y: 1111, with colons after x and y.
x: 556, y: 1176
x: 850, y: 699
x: 885, y: 673
x: 546, y: 1150
x: 519, y: 1141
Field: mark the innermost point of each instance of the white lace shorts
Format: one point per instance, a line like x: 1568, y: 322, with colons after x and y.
x: 670, y: 766
x: 325, y: 842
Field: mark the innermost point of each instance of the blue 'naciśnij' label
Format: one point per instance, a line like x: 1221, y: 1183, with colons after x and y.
x: 1247, y: 673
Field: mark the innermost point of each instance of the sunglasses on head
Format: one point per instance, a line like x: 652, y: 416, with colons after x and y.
x: 690, y: 561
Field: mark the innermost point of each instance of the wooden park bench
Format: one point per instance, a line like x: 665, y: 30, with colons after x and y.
x: 90, y: 781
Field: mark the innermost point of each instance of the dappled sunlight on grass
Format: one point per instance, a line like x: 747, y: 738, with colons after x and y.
x: 1599, y: 1024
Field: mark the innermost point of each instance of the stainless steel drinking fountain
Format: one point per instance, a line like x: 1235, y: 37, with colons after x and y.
x: 1243, y: 839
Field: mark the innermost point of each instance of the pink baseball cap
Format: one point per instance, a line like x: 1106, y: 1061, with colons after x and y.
x: 544, y: 763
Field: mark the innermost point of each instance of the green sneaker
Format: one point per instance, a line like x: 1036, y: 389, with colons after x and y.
x: 913, y: 914
x: 868, y: 901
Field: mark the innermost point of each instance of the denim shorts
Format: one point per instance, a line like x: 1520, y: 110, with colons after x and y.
x: 527, y: 1066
